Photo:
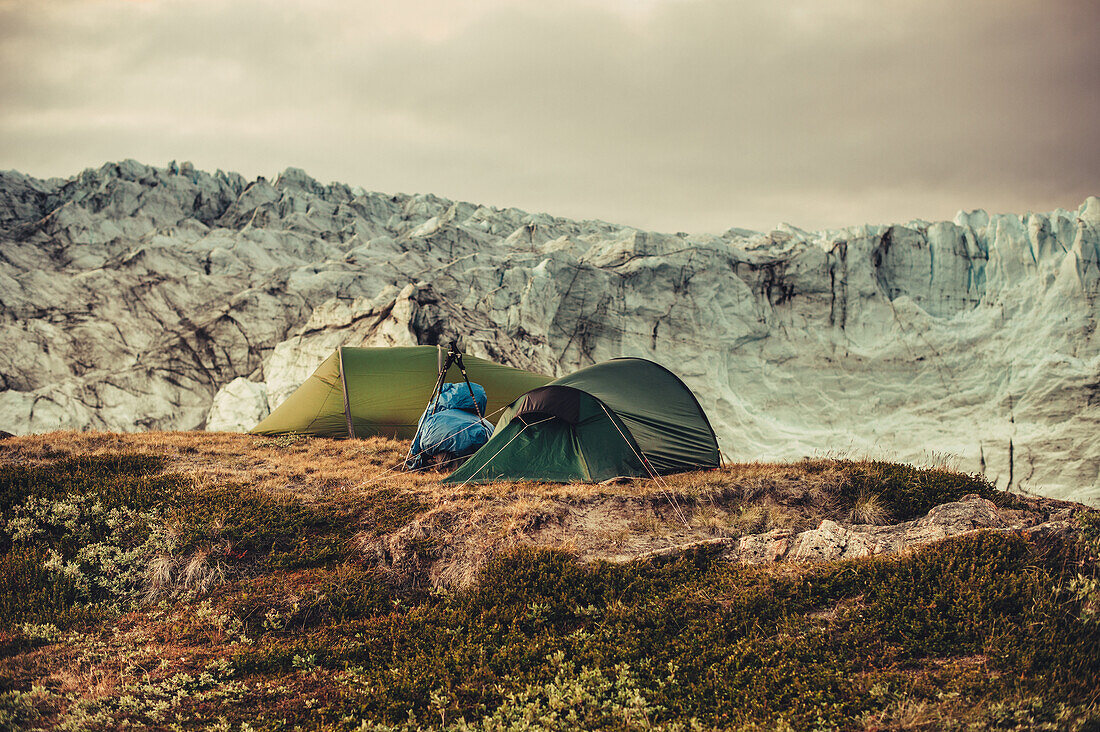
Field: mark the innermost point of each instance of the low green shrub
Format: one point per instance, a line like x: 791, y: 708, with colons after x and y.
x: 348, y: 591
x: 947, y: 598
x: 32, y: 592
x: 281, y: 602
x: 19, y: 709
x: 279, y: 657
x: 584, y: 698
x: 122, y: 479
x: 909, y: 492
x: 78, y: 536
x: 1085, y: 587
x: 387, y: 509
x: 733, y: 646
x: 279, y: 531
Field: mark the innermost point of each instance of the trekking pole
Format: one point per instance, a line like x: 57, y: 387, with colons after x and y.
x: 438, y: 391
x: 462, y: 368
x: 433, y: 401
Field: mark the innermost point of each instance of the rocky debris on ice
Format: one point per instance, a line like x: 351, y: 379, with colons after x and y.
x: 136, y: 297
x: 238, y: 406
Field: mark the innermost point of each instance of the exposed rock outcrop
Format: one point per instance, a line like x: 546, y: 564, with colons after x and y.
x: 448, y: 545
x: 132, y: 295
x: 832, y: 541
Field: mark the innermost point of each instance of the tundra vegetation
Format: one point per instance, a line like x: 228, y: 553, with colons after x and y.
x: 195, y: 581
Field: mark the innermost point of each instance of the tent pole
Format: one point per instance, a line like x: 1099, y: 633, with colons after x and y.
x: 347, y: 403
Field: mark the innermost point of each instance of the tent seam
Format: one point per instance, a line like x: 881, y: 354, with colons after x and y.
x: 486, y: 463
x: 347, y: 404
x: 580, y: 449
x: 320, y: 402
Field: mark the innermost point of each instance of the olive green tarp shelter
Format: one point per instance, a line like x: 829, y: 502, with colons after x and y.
x: 624, y: 417
x: 359, y: 392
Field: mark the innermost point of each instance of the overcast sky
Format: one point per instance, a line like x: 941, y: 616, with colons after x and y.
x: 676, y: 115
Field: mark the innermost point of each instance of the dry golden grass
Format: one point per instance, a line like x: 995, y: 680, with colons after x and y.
x: 459, y: 528
x: 869, y: 509
x: 306, y: 468
x: 317, y: 469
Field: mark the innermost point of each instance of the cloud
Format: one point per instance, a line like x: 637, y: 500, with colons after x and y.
x: 668, y: 114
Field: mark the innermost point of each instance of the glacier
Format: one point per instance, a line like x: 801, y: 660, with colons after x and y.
x: 137, y: 298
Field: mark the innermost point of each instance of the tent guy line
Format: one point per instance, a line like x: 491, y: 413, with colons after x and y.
x: 525, y: 426
x: 645, y: 462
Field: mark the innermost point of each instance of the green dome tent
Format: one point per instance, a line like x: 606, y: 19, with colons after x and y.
x: 628, y: 416
x: 359, y: 392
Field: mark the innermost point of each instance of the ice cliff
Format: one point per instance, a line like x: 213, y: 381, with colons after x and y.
x: 140, y: 298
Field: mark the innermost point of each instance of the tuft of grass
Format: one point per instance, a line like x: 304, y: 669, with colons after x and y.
x: 201, y: 573
x: 753, y: 519
x: 869, y: 509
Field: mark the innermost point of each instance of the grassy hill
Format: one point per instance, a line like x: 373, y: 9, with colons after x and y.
x: 198, y: 581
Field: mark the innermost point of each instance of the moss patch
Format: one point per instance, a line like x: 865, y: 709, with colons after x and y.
x: 280, y: 531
